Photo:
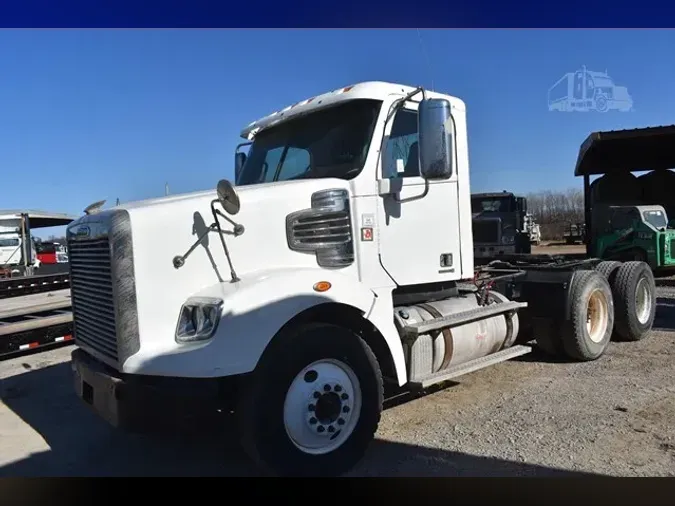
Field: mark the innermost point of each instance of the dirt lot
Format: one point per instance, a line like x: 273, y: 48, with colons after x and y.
x: 520, y: 418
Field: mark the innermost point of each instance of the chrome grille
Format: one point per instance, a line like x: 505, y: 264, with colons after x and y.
x: 324, y: 229
x: 486, y: 231
x: 91, y: 288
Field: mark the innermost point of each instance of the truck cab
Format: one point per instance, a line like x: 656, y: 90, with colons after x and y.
x: 641, y: 232
x: 14, y: 254
x: 499, y: 222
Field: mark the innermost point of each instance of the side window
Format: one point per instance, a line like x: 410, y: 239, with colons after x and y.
x: 621, y: 220
x: 633, y: 216
x: 401, y: 151
x: 295, y: 164
x: 269, y: 166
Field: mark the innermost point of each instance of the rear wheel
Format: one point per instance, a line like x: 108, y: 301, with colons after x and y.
x: 314, y: 403
x: 587, y: 333
x: 634, y: 291
x: 608, y: 269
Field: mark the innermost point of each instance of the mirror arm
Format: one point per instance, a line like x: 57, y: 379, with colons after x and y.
x: 215, y: 212
x: 398, y: 103
x: 396, y: 198
x: 179, y: 260
x: 238, y: 228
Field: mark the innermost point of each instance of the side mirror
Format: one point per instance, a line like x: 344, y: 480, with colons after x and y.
x: 521, y: 204
x: 239, y: 161
x: 435, y: 139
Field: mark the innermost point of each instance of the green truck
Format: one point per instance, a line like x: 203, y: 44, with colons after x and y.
x: 635, y: 232
x: 631, y: 195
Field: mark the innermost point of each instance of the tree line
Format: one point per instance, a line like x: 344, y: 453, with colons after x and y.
x: 554, y: 211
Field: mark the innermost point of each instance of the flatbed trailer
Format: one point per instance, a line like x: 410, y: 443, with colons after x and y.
x: 34, y: 321
x: 25, y: 285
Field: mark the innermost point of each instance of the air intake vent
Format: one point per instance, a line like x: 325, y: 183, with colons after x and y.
x: 325, y: 229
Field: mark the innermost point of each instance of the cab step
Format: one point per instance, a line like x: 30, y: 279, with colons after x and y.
x: 471, y: 366
x: 413, y: 330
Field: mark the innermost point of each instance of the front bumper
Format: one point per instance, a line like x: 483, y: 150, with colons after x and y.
x: 134, y: 402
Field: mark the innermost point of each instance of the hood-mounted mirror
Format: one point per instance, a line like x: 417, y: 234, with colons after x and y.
x: 227, y: 196
x: 229, y: 200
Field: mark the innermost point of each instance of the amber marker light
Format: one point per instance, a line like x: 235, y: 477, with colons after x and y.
x: 322, y: 286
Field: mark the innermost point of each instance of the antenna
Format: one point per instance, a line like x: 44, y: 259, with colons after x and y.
x: 166, y: 189
x: 426, y: 56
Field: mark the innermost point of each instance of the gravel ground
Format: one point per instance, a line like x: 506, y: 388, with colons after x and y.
x: 526, y: 417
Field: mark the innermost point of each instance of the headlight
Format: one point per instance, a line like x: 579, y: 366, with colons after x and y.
x: 508, y: 239
x: 198, y: 319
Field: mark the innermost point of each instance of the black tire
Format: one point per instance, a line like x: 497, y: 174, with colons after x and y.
x: 608, y: 269
x: 629, y: 325
x: 261, y: 410
x: 590, y: 290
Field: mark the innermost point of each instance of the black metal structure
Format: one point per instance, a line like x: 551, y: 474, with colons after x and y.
x: 617, y: 151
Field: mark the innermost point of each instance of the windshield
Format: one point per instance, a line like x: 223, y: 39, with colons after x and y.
x: 493, y: 205
x: 46, y: 248
x: 9, y: 242
x: 656, y: 219
x: 329, y: 143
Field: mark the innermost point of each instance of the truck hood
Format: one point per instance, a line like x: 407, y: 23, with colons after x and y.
x: 160, y: 229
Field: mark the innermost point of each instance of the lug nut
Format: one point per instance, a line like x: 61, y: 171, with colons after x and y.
x: 310, y: 376
x: 310, y: 407
x: 344, y: 397
x: 313, y: 421
x: 321, y: 428
x: 317, y: 395
x: 326, y: 388
x: 331, y: 428
x: 345, y: 409
x: 338, y: 388
x: 340, y: 421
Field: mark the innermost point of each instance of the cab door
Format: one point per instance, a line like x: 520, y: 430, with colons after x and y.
x: 419, y: 222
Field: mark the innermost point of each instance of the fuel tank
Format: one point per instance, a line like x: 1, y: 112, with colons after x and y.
x: 430, y: 353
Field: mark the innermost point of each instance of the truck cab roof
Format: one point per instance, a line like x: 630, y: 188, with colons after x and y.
x: 370, y: 90
x: 491, y: 195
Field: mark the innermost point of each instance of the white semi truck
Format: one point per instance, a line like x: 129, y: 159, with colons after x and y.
x: 341, y: 261
x: 17, y: 248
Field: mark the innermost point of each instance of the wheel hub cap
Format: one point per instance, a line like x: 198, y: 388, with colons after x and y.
x: 322, y: 406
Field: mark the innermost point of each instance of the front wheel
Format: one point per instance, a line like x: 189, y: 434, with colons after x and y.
x: 314, y: 403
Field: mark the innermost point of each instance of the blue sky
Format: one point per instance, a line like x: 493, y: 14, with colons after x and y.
x: 106, y: 114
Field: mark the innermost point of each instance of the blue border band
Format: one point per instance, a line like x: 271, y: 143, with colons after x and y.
x: 345, y: 14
